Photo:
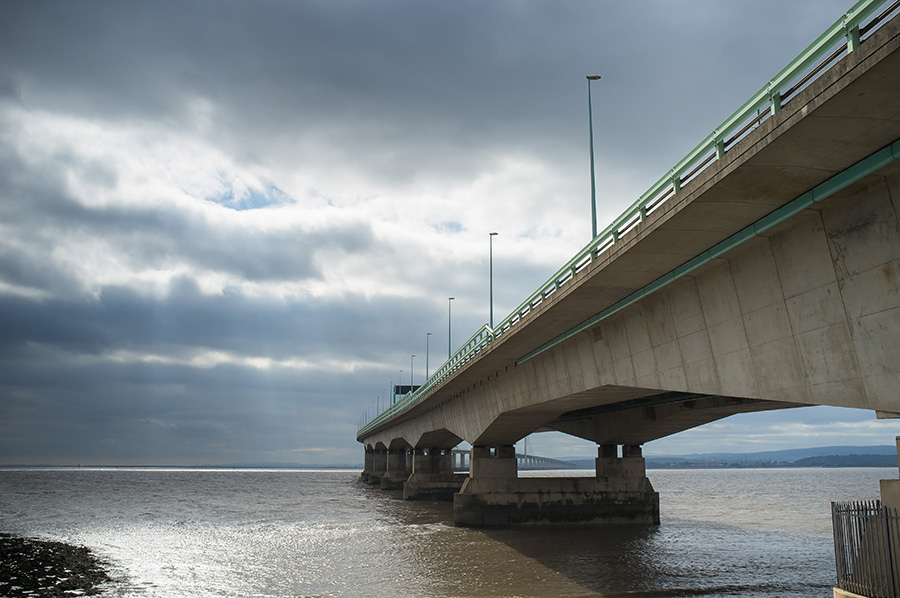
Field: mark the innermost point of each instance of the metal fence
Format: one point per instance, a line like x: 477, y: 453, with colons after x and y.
x: 867, y: 548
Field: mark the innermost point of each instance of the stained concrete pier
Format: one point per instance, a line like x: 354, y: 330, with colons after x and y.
x: 495, y: 495
x: 491, y: 493
x: 432, y: 477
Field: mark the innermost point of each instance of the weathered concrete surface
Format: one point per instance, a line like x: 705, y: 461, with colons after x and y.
x: 369, y: 465
x: 379, y: 467
x: 890, y: 489
x: 396, y: 472
x: 494, y: 495
x: 558, y: 500
x: 433, y: 486
x: 432, y: 476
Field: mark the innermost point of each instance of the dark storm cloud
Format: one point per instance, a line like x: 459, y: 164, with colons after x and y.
x: 370, y: 73
x: 408, y: 87
x: 55, y: 404
x: 168, y: 412
x: 351, y: 328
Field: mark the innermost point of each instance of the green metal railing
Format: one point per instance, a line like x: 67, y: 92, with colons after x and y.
x: 844, y: 36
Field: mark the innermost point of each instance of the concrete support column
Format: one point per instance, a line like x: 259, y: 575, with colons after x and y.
x: 369, y: 467
x: 432, y: 476
x: 493, y: 463
x: 432, y: 460
x: 396, y: 472
x: 890, y: 489
x: 421, y: 461
x: 379, y: 467
x: 495, y: 495
x: 630, y: 465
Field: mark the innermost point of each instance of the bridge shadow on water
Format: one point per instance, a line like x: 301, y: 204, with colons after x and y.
x: 678, y: 558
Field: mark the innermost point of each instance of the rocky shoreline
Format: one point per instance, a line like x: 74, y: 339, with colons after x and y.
x: 42, y: 568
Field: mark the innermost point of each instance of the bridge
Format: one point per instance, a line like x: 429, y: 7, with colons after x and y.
x: 460, y: 460
x: 761, y: 272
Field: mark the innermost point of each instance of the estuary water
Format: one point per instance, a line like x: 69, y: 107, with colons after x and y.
x: 287, y: 533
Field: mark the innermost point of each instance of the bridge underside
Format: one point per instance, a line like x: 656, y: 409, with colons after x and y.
x: 493, y: 494
x: 638, y: 421
x: 804, y: 310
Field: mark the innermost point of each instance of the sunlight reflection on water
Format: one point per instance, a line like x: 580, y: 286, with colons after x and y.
x: 236, y: 533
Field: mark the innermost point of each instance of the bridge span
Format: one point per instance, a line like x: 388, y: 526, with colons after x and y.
x: 762, y: 272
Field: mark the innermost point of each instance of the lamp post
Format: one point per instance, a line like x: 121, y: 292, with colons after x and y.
x: 411, y: 372
x: 491, y: 276
x: 591, y: 133
x: 400, y: 381
x: 427, y: 338
x: 449, y: 327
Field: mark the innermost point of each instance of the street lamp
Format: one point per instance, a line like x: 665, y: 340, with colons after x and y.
x: 411, y: 372
x: 449, y: 327
x: 591, y: 130
x: 491, y: 237
x: 400, y: 382
x: 427, y: 335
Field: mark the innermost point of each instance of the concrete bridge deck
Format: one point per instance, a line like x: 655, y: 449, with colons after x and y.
x: 767, y: 277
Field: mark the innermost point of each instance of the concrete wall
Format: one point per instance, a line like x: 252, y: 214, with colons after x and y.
x: 809, y: 314
x: 890, y: 489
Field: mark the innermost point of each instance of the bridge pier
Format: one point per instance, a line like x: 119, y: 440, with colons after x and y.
x: 369, y: 467
x: 397, y: 472
x: 379, y: 467
x: 890, y: 489
x: 620, y: 493
x: 432, y: 476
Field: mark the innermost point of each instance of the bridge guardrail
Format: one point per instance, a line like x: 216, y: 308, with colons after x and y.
x: 846, y: 33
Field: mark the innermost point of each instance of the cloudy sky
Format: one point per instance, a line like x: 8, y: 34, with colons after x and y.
x: 225, y: 226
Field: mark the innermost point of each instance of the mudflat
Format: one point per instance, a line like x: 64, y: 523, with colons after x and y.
x: 30, y: 567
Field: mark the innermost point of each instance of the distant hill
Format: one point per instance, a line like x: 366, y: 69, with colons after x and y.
x: 848, y: 461
x: 826, y: 456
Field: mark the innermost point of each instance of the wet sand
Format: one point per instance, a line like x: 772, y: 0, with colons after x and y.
x: 30, y: 567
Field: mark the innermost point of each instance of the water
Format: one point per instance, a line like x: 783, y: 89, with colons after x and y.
x: 261, y: 533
